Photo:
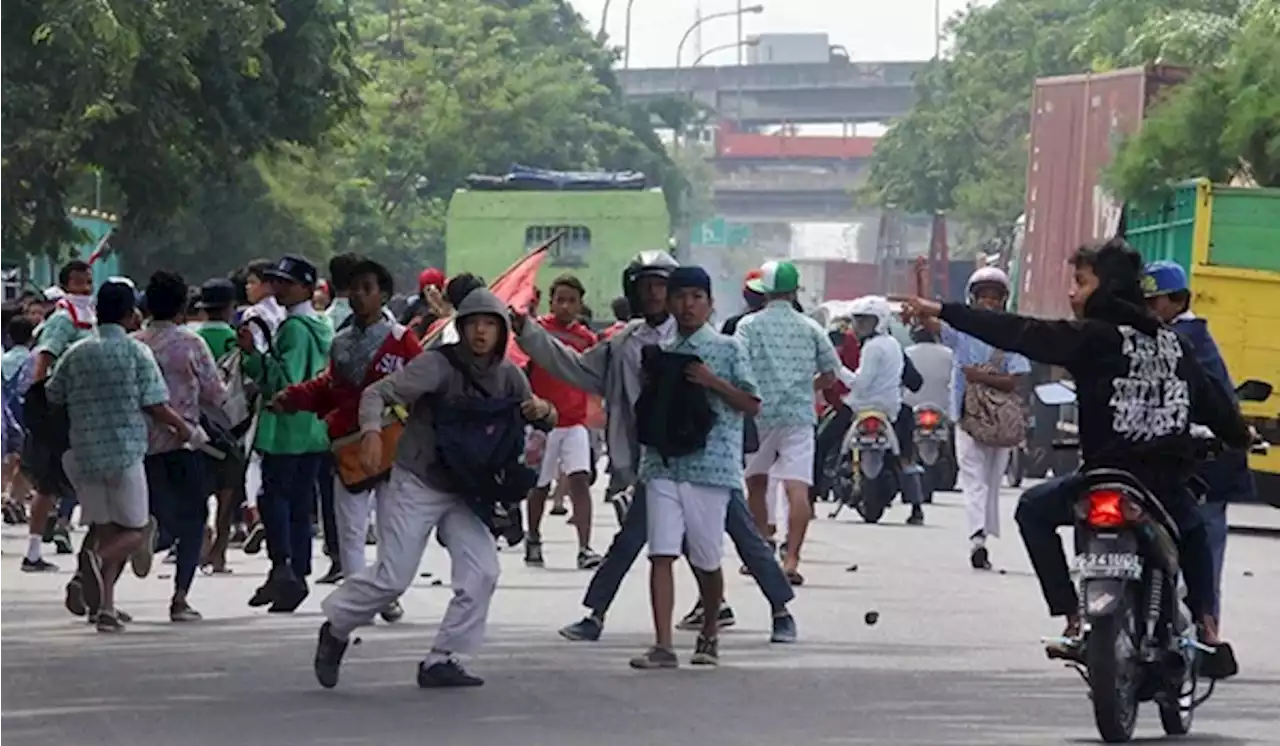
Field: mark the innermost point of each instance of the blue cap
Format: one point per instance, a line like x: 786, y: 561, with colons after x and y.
x: 688, y: 277
x: 1163, y: 277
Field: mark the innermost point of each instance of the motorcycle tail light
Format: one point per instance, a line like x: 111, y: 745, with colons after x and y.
x: 1106, y: 509
x: 869, y: 426
x: 927, y: 418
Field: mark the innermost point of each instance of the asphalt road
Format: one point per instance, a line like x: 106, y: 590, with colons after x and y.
x: 953, y: 660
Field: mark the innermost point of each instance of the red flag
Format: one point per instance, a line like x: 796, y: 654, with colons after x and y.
x: 516, y: 287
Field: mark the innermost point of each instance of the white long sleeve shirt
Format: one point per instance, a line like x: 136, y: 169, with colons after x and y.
x: 877, y: 383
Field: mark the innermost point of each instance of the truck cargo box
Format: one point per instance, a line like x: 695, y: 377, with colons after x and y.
x: 1076, y: 123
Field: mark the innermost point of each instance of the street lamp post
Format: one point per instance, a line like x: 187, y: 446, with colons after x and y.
x: 723, y: 14
x: 722, y: 47
x: 626, y: 38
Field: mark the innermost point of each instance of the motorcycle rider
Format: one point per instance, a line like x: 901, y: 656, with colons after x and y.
x: 1227, y: 476
x: 878, y: 382
x: 1139, y: 388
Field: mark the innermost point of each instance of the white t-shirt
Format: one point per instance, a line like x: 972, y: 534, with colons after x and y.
x: 933, y: 361
x: 271, y: 312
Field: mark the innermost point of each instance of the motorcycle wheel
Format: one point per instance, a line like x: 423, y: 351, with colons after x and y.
x: 875, y: 499
x: 1111, y: 657
x: 1175, y: 708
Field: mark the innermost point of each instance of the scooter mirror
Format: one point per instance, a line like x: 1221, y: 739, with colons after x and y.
x: 1254, y: 390
x: 1056, y: 393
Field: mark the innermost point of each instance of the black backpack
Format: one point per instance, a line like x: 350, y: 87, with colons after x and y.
x: 673, y: 414
x: 480, y: 443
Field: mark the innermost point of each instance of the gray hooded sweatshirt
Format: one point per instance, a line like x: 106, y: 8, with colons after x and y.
x: 431, y: 373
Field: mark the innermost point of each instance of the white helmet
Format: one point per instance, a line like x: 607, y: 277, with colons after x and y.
x: 987, y: 276
x: 873, y: 305
x: 54, y: 293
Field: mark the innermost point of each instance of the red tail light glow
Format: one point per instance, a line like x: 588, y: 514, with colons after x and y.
x: 1106, y: 509
x: 869, y: 426
x: 927, y: 418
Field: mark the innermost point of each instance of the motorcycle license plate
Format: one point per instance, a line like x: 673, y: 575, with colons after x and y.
x: 1122, y: 565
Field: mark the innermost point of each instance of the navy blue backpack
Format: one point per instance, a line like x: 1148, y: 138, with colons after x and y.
x: 480, y: 443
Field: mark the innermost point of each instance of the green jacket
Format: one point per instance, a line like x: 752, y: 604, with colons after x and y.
x: 299, y: 352
x: 219, y: 335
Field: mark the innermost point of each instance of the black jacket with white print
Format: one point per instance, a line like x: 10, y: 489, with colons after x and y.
x: 1138, y: 384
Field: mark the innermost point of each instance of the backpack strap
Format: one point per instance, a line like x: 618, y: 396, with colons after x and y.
x: 450, y: 354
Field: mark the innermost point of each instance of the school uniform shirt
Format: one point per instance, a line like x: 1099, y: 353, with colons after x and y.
x: 786, y: 349
x: 60, y: 331
x: 571, y: 402
x: 190, y: 374
x: 338, y: 312
x: 719, y: 464
x: 105, y: 381
x: 934, y: 362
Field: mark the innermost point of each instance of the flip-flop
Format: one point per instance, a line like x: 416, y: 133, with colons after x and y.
x: 795, y: 578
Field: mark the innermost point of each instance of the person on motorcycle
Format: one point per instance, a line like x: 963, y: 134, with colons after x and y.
x: 878, y: 382
x: 1139, y: 387
x: 1227, y: 476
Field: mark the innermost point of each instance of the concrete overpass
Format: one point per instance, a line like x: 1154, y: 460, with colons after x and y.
x: 804, y: 94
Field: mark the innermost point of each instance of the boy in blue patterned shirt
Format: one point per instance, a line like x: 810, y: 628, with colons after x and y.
x: 688, y: 496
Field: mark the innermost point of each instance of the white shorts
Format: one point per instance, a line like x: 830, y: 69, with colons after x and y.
x: 120, y: 498
x: 785, y: 453
x: 568, y: 451
x: 687, y: 518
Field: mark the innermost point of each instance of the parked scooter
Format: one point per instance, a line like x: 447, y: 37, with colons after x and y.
x: 862, y: 481
x: 1138, y: 642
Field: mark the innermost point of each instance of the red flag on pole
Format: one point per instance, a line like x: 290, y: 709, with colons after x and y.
x: 516, y: 287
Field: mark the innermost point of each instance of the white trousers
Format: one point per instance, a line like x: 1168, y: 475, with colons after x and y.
x: 351, y: 512
x: 981, y: 474
x: 407, y: 511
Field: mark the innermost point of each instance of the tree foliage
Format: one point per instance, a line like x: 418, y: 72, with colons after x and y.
x: 1223, y: 125
x: 157, y: 97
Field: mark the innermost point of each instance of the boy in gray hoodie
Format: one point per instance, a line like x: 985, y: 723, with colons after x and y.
x: 423, y: 493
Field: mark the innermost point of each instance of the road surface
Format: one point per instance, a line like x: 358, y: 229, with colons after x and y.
x: 953, y: 660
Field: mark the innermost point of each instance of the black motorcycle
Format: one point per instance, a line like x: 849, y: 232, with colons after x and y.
x: 1138, y: 642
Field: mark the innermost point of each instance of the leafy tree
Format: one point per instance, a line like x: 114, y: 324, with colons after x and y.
x: 459, y: 88
x: 1224, y: 124
x: 159, y: 98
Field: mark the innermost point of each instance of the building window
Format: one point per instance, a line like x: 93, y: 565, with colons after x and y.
x: 569, y: 250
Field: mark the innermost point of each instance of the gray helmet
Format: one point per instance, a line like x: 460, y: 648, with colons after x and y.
x: 656, y: 263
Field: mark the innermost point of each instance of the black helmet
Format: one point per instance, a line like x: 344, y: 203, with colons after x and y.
x: 656, y: 263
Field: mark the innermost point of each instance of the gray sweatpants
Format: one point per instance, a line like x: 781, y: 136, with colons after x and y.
x: 407, y: 510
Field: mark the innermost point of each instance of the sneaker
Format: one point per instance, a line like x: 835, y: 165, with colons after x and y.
x: 1220, y: 664
x: 74, y: 598
x: 62, y: 541
x: 784, y: 629
x: 328, y: 660
x: 109, y: 622
x: 587, y: 629
x: 38, y: 565
x: 253, y: 542
x: 140, y: 561
x: 979, y: 558
x: 917, y: 516
x: 289, y: 596
x: 533, y: 554
x: 692, y: 622
x: 333, y: 575
x: 265, y: 595
x: 183, y: 613
x: 706, y: 652
x: 90, y: 566
x: 654, y: 658
x: 392, y: 612
x: 170, y: 557
x: 238, y: 537
x: 621, y: 504
x: 588, y: 560
x: 446, y: 675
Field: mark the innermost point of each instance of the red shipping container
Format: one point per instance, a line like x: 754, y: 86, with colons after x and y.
x: 850, y: 280
x: 1076, y: 122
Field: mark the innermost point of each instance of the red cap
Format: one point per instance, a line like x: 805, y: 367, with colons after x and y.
x: 431, y: 276
x: 753, y: 274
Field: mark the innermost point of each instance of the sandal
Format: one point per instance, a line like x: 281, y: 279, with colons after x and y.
x: 1220, y: 664
x: 795, y: 578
